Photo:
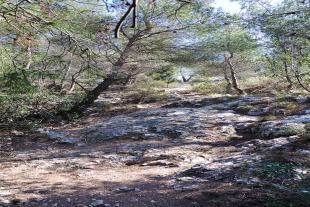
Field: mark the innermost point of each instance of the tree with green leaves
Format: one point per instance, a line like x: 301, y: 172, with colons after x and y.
x: 228, y: 41
x: 285, y: 35
x: 140, y: 49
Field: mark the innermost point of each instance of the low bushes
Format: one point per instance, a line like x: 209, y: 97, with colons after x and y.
x: 17, y: 106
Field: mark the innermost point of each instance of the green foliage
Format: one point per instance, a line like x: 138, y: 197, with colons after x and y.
x: 15, y: 106
x: 17, y: 82
x: 228, y: 36
x: 287, y: 32
x: 44, y: 43
x: 166, y: 74
x: 5, y: 60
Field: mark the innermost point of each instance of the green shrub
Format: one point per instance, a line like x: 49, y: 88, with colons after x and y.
x: 14, y: 106
x: 165, y: 74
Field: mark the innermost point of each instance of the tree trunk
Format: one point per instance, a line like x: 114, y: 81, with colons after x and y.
x: 287, y: 76
x: 93, y: 95
x: 185, y: 80
x: 300, y: 82
x: 29, y: 58
x: 234, y: 80
x: 284, y: 60
x: 64, y: 77
x: 228, y: 86
x: 72, y: 86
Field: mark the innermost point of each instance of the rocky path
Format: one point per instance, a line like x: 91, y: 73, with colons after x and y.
x: 241, y: 151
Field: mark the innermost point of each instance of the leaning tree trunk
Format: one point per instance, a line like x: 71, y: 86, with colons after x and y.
x: 93, y: 95
x: 300, y: 82
x: 111, y: 79
x: 103, y: 86
x: 234, y: 80
x: 228, y: 86
x: 72, y: 85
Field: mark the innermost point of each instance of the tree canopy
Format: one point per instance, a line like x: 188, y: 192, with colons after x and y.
x: 59, y: 46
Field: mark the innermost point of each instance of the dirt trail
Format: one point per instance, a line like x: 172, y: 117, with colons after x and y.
x: 207, y: 158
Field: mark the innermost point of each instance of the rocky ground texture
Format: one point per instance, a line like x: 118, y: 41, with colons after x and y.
x: 224, y: 151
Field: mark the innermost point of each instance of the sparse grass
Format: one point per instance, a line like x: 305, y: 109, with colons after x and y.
x: 273, y: 171
x: 290, y: 130
x: 255, y: 85
x: 146, y: 92
x: 289, y: 105
x: 268, y: 118
x: 244, y: 109
x: 288, y: 200
x: 282, y: 183
x: 66, y: 166
x: 208, y: 87
x: 255, y: 81
x: 269, y: 85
